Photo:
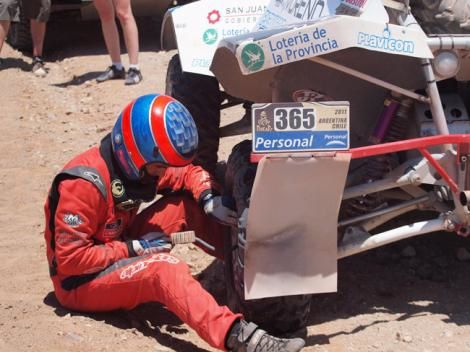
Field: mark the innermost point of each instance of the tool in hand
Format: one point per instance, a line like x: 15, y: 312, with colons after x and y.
x: 189, y: 237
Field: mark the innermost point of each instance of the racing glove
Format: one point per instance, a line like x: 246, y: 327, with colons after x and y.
x: 151, y: 243
x: 214, y: 206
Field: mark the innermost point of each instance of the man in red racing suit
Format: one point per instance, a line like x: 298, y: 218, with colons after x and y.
x: 103, y: 255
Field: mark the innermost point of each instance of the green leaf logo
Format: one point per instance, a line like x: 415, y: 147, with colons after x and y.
x: 210, y: 36
x: 253, y: 57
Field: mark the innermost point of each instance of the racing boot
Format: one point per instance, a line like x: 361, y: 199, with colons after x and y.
x: 248, y: 337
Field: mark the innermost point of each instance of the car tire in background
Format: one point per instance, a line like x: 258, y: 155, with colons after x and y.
x: 19, y: 35
x: 202, y: 97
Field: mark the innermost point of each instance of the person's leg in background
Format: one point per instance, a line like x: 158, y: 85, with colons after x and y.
x: 4, y: 27
x: 38, y: 33
x: 131, y: 37
x: 109, y: 28
x: 8, y: 13
x: 37, y: 11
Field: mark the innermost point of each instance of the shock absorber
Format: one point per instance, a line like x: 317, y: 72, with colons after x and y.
x: 391, y: 126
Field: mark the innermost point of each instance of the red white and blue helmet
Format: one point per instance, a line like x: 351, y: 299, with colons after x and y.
x: 153, y: 128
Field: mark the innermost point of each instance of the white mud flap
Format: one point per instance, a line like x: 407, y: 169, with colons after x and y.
x: 292, y: 225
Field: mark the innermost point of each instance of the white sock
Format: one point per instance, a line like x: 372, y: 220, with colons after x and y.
x: 118, y: 65
x: 135, y: 66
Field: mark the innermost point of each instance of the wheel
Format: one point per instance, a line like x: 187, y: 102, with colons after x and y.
x: 278, y: 315
x: 19, y: 35
x: 202, y: 97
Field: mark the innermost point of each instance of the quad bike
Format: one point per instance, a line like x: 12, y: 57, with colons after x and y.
x: 359, y: 118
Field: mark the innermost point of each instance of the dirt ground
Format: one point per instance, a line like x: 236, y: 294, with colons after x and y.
x: 411, y: 296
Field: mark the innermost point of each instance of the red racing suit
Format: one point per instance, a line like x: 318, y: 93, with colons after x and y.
x: 89, y: 215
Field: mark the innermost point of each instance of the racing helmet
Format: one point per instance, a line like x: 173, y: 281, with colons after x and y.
x: 153, y: 128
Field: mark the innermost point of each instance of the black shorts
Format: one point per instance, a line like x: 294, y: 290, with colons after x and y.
x: 38, y: 10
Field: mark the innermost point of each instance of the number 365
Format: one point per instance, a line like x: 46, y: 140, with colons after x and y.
x: 294, y: 118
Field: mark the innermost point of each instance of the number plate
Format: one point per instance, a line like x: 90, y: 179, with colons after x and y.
x: 300, y: 127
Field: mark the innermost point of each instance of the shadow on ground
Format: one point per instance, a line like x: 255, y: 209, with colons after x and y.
x: 432, y: 281
x: 153, y: 319
x: 10, y: 62
x: 393, y: 280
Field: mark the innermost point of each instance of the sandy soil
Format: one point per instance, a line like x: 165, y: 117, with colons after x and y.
x: 412, y: 296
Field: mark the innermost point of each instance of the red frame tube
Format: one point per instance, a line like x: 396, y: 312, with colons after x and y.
x: 461, y: 140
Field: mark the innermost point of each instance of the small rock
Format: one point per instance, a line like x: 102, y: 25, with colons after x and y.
x: 73, y: 336
x: 86, y: 100
x: 403, y: 338
x: 448, y: 334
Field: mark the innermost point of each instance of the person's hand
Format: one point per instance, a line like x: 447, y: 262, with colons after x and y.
x: 215, y: 208
x: 151, y: 243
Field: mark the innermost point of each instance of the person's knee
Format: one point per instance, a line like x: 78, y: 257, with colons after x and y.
x: 124, y: 15
x: 165, y: 266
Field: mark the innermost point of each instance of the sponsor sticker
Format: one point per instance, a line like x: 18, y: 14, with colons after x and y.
x: 93, y: 177
x: 73, y: 220
x: 300, y: 127
x: 210, y: 36
x: 113, y: 229
x: 213, y: 17
x: 385, y: 42
x: 253, y: 57
x: 129, y: 271
x: 117, y: 188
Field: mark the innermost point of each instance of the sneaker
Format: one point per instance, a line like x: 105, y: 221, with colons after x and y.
x: 133, y: 76
x: 39, y: 68
x: 248, y: 337
x: 111, y: 73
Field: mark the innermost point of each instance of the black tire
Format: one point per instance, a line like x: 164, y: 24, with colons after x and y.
x: 202, y: 96
x: 19, y: 35
x: 278, y: 315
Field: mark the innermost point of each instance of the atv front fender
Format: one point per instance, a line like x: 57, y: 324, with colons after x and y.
x: 291, y: 245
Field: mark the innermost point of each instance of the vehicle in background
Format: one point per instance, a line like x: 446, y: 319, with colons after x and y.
x: 19, y: 35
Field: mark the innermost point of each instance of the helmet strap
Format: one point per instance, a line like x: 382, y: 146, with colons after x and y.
x: 127, y: 194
